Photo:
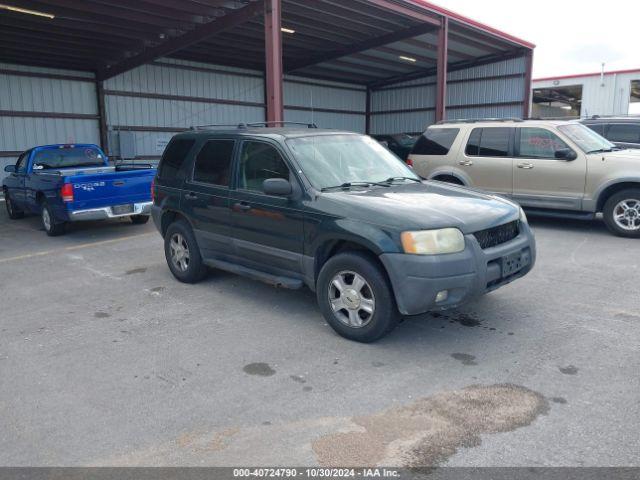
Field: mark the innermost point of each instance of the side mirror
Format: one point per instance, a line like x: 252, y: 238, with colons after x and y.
x: 566, y: 154
x: 277, y: 186
x: 10, y: 168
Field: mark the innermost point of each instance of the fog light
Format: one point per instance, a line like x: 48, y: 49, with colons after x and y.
x: 442, y: 296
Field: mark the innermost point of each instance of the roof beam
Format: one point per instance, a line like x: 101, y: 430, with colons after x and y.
x: 407, y: 12
x: 429, y: 46
x: 175, y: 44
x: 361, y: 46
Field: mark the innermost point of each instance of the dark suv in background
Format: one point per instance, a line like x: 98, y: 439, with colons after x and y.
x: 624, y: 132
x: 339, y: 213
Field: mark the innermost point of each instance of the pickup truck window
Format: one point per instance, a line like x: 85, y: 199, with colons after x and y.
x: 213, y: 163
x: 330, y: 160
x: 539, y: 143
x: 21, y: 164
x: 435, y: 141
x: 67, y: 157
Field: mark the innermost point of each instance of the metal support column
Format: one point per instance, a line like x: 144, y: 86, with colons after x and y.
x: 441, y: 74
x: 526, y: 104
x: 273, y: 60
x: 367, y: 119
x: 102, y: 120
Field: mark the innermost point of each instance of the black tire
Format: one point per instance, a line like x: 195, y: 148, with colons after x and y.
x: 12, y: 211
x: 51, y: 227
x: 139, y: 219
x: 609, y: 212
x: 385, y: 313
x: 195, y: 269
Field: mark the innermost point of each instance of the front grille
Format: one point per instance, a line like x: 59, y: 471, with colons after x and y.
x: 492, y: 237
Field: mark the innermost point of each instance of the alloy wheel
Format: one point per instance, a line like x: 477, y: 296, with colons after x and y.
x: 179, y: 252
x: 351, y: 299
x: 626, y: 214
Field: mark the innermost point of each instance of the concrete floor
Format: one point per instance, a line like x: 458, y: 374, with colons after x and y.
x: 105, y: 359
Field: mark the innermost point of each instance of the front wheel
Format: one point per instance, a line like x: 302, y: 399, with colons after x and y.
x: 355, y: 297
x: 51, y: 227
x: 621, y: 213
x: 12, y: 211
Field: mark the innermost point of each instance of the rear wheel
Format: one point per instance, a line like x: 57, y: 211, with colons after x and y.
x: 13, y: 212
x: 355, y: 297
x: 183, y: 254
x: 51, y: 227
x: 139, y: 219
x: 621, y: 213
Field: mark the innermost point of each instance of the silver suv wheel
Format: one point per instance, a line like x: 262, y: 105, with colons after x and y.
x: 46, y: 218
x: 351, y: 299
x: 626, y: 214
x: 179, y: 252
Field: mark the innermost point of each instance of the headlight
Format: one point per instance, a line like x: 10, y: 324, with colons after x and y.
x: 523, y: 216
x: 433, y: 242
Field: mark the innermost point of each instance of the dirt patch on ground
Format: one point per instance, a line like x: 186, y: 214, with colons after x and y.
x: 430, y: 430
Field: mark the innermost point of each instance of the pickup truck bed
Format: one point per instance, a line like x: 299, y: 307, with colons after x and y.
x: 77, y: 192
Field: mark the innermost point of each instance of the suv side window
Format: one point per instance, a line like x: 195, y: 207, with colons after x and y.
x: 539, y: 143
x: 174, y: 156
x: 258, y: 162
x: 489, y: 142
x: 597, y: 127
x: 213, y: 163
x: 624, y: 133
x: 435, y: 141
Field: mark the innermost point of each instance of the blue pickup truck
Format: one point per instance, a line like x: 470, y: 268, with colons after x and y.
x: 70, y: 183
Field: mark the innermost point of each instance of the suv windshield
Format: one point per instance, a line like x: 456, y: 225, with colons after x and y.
x: 67, y: 157
x: 340, y: 160
x: 588, y: 140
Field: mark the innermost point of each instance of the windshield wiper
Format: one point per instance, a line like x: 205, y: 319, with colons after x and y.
x: 601, y: 150
x: 394, y: 179
x: 354, y: 184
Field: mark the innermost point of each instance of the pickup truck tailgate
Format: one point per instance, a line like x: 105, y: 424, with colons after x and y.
x: 110, y: 189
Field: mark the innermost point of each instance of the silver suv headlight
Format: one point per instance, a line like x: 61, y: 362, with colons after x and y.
x: 433, y: 242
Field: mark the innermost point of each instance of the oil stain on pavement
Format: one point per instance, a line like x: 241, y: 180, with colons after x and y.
x: 465, y: 358
x: 430, y: 430
x: 260, y: 369
x: 569, y: 370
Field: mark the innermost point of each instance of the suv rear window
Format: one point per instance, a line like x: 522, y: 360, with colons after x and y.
x: 624, y: 132
x: 213, y: 163
x: 489, y: 142
x: 435, y: 141
x: 174, y: 156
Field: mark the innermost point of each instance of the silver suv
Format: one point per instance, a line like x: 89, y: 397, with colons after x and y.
x: 554, y: 168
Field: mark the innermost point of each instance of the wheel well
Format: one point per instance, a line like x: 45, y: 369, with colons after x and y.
x: 449, y: 179
x: 168, y: 218
x: 334, y: 247
x: 612, y: 190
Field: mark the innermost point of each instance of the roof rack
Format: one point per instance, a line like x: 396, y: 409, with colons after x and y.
x: 623, y: 115
x: 477, y: 120
x: 216, y: 125
x: 267, y: 124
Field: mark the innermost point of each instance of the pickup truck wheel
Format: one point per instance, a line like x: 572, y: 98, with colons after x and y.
x: 139, y: 219
x: 355, y: 297
x: 621, y: 213
x: 12, y: 211
x: 51, y: 228
x: 182, y: 253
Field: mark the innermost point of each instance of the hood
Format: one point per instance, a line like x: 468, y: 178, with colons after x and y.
x: 628, y: 154
x: 424, y: 206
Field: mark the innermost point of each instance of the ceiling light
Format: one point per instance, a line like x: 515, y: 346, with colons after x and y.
x: 287, y: 30
x: 408, y: 59
x: 28, y: 12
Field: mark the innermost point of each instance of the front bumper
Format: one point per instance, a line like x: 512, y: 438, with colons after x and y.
x: 417, y: 279
x: 102, y: 213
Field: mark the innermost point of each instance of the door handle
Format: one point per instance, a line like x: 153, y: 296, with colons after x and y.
x: 242, y: 206
x: 466, y: 163
x: 526, y: 166
x: 190, y: 196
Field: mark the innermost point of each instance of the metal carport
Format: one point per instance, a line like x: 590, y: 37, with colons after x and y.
x: 392, y: 60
